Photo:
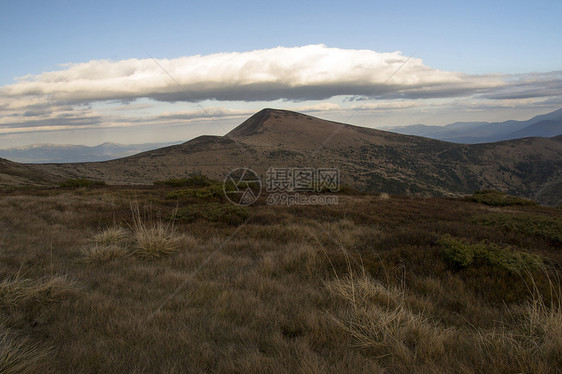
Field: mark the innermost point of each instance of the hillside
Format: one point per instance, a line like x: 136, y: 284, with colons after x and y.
x: 15, y: 174
x: 544, y: 125
x: 368, y: 159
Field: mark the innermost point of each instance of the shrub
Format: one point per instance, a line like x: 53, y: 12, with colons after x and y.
x: 81, y: 182
x: 497, y: 198
x: 538, y: 225
x: 214, y: 212
x: 211, y: 192
x: 462, y: 254
x: 194, y: 180
x: 346, y: 190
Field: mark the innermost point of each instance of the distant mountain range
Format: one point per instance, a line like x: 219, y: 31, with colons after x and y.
x: 546, y: 125
x: 368, y: 159
x: 49, y: 153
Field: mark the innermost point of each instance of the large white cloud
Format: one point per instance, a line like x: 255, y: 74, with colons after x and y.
x: 301, y: 73
x: 66, y: 98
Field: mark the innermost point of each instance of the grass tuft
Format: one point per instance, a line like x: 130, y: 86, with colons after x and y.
x: 153, y: 239
x: 20, y: 355
x: 379, y: 323
x: 15, y: 291
x: 103, y: 252
x: 111, y: 236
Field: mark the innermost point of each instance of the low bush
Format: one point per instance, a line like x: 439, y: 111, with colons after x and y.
x: 194, y: 181
x: 462, y: 254
x: 497, y: 198
x: 214, y: 212
x: 211, y: 192
x: 538, y: 225
x: 81, y: 182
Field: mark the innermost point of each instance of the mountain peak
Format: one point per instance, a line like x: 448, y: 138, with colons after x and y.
x: 255, y: 124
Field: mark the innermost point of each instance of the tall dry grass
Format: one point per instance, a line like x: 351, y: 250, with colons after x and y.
x: 20, y: 355
x: 380, y: 321
x: 145, y: 237
x: 362, y: 287
x: 16, y: 290
x: 153, y: 238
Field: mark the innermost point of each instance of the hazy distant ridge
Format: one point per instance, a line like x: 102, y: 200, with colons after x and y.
x: 49, y: 153
x: 545, y: 126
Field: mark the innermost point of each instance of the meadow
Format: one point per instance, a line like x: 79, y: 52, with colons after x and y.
x: 172, y: 278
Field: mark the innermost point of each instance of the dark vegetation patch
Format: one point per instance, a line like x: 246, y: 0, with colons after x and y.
x: 497, y: 198
x: 462, y: 254
x: 193, y: 181
x: 229, y: 214
x: 81, y: 182
x: 549, y: 227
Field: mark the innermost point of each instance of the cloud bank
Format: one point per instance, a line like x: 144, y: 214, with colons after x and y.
x: 312, y: 72
x: 63, y: 98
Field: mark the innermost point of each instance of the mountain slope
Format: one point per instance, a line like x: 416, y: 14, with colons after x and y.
x: 546, y: 128
x: 545, y: 125
x: 15, y: 174
x: 368, y: 159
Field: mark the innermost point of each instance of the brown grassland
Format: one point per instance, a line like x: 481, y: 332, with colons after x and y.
x: 159, y: 279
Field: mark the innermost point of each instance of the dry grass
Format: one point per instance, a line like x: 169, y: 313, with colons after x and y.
x: 380, y: 320
x: 111, y: 236
x: 107, y: 244
x: 153, y: 238
x: 15, y: 291
x: 20, y: 355
x: 102, y: 253
x: 361, y: 287
x: 146, y: 238
x: 381, y: 324
x: 536, y: 332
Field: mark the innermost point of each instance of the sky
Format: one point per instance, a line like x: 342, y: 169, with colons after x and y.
x: 85, y: 72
